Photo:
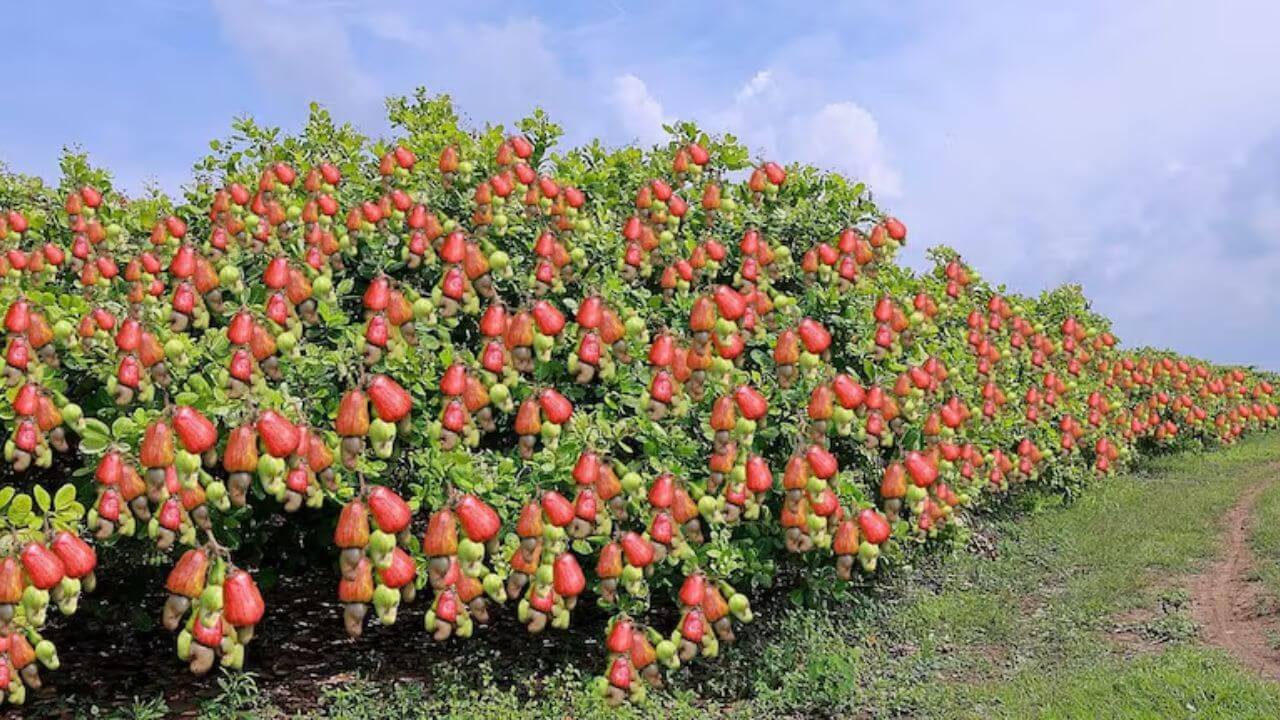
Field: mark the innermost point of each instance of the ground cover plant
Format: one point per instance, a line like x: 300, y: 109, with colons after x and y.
x: 489, y: 375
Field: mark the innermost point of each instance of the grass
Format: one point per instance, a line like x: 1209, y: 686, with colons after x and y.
x: 1051, y: 601
x: 1064, y: 577
x: 1033, y: 632
x: 1079, y: 612
x: 1266, y: 537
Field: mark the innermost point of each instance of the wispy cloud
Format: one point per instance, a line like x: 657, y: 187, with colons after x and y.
x: 786, y: 120
x: 759, y: 84
x: 301, y: 50
x: 844, y: 135
x: 1044, y: 154
x: 638, y: 110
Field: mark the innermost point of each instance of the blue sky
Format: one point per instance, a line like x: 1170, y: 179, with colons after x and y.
x: 1131, y: 146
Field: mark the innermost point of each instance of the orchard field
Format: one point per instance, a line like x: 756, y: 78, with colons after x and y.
x: 478, y: 386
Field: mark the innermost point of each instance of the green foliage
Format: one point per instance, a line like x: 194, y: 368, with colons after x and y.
x: 357, y: 260
x: 971, y: 634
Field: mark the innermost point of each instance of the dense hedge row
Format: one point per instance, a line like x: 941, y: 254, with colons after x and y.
x: 508, y: 375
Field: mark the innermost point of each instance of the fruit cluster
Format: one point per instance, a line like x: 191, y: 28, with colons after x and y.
x: 529, y: 378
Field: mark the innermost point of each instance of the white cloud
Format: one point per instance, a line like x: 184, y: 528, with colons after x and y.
x: 845, y: 137
x: 1111, y: 161
x: 499, y: 70
x: 783, y: 116
x: 759, y: 84
x: 638, y: 110
x: 309, y: 51
x: 301, y: 51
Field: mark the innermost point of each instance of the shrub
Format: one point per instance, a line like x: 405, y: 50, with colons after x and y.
x: 503, y: 374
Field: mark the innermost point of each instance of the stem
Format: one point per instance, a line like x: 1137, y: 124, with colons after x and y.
x: 216, y: 547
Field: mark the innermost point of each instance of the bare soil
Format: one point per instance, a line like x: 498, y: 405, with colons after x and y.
x: 114, y: 649
x: 111, y: 655
x: 1228, y: 600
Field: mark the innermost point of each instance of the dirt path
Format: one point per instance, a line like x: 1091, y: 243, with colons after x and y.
x: 1227, y: 599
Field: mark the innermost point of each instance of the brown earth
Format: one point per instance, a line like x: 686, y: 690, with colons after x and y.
x: 1228, y: 600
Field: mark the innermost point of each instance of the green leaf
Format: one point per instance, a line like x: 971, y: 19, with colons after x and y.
x: 70, y: 515
x: 6, y: 494
x: 92, y: 445
x: 913, y: 439
x: 198, y: 384
x: 43, y: 501
x: 64, y: 497
x: 20, y: 510
x: 123, y: 426
x: 94, y: 436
